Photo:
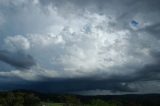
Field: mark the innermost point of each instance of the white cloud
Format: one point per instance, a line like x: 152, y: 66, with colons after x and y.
x: 17, y: 43
x: 86, y: 49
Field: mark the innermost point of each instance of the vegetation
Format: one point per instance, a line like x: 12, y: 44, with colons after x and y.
x: 98, y: 102
x: 52, y: 104
x: 71, y: 101
x: 37, y: 99
x: 19, y: 99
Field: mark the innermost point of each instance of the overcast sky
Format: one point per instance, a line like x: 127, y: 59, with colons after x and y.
x: 82, y: 46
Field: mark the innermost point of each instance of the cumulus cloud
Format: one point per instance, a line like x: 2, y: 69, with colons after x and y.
x: 17, y: 43
x: 80, y: 45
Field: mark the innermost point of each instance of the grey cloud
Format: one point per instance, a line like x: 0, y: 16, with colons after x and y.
x: 23, y: 19
x: 75, y: 85
x: 150, y: 72
x: 153, y: 29
x: 72, y: 85
x: 17, y: 59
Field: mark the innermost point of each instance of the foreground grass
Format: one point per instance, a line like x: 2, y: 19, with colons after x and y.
x: 52, y: 104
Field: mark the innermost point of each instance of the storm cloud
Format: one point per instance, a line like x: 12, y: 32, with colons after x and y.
x: 80, y: 46
x: 18, y: 60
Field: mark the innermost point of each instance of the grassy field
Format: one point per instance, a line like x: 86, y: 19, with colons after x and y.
x: 52, y: 104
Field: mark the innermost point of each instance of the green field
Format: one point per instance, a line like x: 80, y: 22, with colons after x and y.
x: 52, y: 104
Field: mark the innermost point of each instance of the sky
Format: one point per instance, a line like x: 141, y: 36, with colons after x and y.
x: 80, y: 46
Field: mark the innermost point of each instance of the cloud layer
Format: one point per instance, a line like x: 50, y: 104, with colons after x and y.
x: 74, y: 46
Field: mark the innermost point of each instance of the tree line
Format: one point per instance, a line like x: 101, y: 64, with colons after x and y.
x: 37, y: 99
x: 19, y: 99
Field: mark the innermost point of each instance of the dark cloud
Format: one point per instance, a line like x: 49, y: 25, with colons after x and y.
x: 150, y: 72
x: 71, y: 85
x: 153, y: 29
x: 75, y: 85
x: 17, y: 59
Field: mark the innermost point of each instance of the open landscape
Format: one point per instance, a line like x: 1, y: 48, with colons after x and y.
x: 19, y: 98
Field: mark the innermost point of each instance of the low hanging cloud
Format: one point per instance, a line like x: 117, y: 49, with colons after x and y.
x: 86, y: 45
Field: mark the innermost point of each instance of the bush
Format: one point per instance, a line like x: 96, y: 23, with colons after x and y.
x: 99, y: 102
x: 31, y: 100
x: 19, y: 99
x: 71, y: 101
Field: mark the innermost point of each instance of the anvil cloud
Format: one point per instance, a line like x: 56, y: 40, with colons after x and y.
x: 86, y: 46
